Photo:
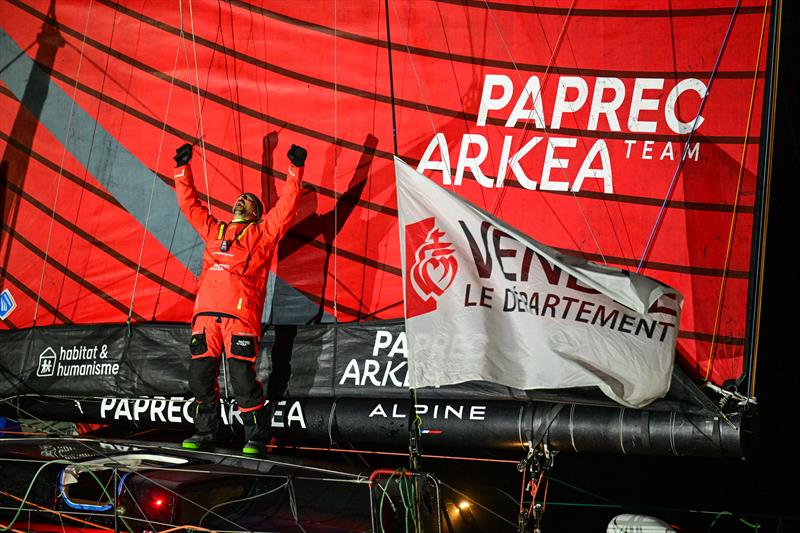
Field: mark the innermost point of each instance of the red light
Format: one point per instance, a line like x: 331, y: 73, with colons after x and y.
x: 158, y: 502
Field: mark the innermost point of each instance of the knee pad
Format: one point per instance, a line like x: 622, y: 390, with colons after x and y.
x: 245, y: 385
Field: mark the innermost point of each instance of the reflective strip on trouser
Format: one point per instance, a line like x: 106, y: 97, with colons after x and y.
x: 206, y: 416
x: 256, y: 424
x: 249, y: 392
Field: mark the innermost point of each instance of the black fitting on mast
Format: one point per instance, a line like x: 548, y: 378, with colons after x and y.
x: 391, y: 75
x: 537, y: 464
x: 414, y: 449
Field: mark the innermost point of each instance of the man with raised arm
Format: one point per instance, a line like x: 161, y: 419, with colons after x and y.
x: 230, y: 299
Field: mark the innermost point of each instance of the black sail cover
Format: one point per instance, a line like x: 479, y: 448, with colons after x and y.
x: 338, y: 383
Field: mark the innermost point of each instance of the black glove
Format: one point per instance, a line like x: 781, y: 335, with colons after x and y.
x: 183, y: 155
x: 297, y: 155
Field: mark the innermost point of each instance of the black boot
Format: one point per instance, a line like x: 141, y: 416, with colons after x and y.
x: 206, y: 423
x: 256, y: 431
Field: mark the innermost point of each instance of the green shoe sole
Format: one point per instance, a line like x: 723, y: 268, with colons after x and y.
x: 252, y: 451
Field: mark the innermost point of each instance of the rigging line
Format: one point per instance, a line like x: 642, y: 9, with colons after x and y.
x: 95, y: 125
x: 160, y: 485
x: 240, y: 500
x: 136, y: 502
x: 199, y: 103
x: 473, y: 501
x: 550, y: 62
x: 545, y: 130
x: 601, y: 196
x: 679, y: 167
x: 617, y: 199
x: 199, y: 122
x: 63, y: 159
x: 416, y: 77
x: 51, y: 511
x: 293, y: 504
x: 153, y: 184
x: 461, y: 95
x: 417, y: 421
x: 776, y: 46
x: 101, y: 453
x: 238, y: 115
x: 724, y: 281
x: 198, y: 113
x: 335, y: 172
x: 256, y: 474
x: 395, y: 454
x: 233, y: 89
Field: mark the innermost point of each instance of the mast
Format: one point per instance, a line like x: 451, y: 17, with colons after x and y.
x: 759, y: 242
x: 391, y: 75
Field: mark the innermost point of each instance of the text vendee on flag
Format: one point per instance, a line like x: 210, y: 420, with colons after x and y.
x: 485, y: 302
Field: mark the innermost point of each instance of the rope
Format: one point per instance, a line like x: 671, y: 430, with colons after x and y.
x: 52, y: 511
x: 335, y: 172
x: 396, y: 454
x: 198, y: 115
x: 61, y: 165
x: 768, y: 179
x: 472, y: 501
x: 673, y: 182
x: 416, y: 421
x: 616, y: 202
x: 237, y: 117
x: 246, y: 499
x: 153, y: 185
x: 553, y: 51
x: 113, y: 460
x: 729, y: 247
x: 416, y: 77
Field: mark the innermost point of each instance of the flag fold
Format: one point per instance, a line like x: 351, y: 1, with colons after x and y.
x: 486, y: 302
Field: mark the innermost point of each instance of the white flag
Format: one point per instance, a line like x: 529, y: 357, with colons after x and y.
x: 485, y: 302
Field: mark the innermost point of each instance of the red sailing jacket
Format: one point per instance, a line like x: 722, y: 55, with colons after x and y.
x: 234, y: 282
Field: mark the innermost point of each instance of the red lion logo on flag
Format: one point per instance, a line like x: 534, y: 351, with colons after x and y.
x: 434, y: 268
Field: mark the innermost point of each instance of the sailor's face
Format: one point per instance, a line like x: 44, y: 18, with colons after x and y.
x: 244, y: 207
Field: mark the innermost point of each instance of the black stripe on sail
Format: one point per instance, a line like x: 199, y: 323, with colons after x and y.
x: 30, y: 293
x: 655, y: 265
x: 331, y: 140
x: 300, y: 238
x: 708, y: 337
x: 72, y: 275
x: 629, y: 199
x: 94, y: 241
x: 706, y: 271
x: 361, y: 260
x: 605, y: 13
x: 498, y: 63
x: 419, y: 106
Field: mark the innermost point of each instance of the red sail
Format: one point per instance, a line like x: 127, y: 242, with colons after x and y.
x: 600, y: 102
